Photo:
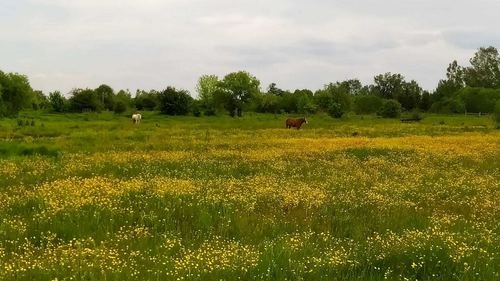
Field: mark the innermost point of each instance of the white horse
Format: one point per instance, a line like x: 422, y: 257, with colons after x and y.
x: 136, y: 118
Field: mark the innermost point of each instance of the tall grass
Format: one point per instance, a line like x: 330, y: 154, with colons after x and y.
x: 184, y: 198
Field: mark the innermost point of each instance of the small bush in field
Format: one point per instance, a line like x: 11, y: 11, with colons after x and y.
x: 390, y: 109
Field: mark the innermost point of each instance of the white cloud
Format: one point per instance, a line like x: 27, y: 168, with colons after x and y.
x: 132, y: 44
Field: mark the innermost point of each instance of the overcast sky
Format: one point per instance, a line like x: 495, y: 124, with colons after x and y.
x: 150, y: 44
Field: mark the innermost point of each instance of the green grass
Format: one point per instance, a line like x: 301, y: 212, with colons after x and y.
x: 94, y: 197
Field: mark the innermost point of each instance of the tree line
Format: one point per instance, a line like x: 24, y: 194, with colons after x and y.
x: 473, y: 88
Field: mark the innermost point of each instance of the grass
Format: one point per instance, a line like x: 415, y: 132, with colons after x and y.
x: 93, y: 197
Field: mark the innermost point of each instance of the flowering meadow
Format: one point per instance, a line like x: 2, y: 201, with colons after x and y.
x: 98, y: 198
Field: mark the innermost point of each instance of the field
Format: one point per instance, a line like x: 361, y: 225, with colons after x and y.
x: 93, y: 197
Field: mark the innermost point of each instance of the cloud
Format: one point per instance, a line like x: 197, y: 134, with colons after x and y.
x: 148, y: 44
x: 471, y: 40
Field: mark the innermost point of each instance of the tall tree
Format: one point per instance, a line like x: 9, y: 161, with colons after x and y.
x: 388, y: 85
x: 238, y: 88
x: 106, y: 95
x: 334, y: 99
x: 174, y: 102
x: 85, y: 100
x: 485, y: 69
x: 57, y: 101
x: 16, y: 92
x: 455, y: 74
x: 207, y: 88
x: 409, y: 98
x: 352, y: 86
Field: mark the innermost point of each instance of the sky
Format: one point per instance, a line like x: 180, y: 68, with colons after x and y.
x: 152, y: 44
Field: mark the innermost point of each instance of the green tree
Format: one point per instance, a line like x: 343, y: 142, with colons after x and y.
x: 425, y: 102
x: 16, y: 92
x: 57, y: 101
x: 456, y: 74
x: 496, y: 114
x: 174, y: 102
x: 126, y: 97
x: 388, y: 85
x: 146, y: 100
x: 352, y: 86
x: 237, y: 90
x: 106, y: 96
x: 367, y: 103
x: 82, y: 100
x: 485, y: 69
x: 333, y: 93
x: 39, y: 101
x: 479, y: 99
x: 409, y: 97
x: 207, y: 88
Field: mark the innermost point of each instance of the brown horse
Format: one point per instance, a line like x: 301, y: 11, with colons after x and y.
x: 295, y: 122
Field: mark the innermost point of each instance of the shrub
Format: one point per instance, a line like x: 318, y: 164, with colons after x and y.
x: 448, y: 105
x: 496, y: 114
x: 479, y: 99
x: 120, y: 107
x: 367, y: 104
x: 174, y: 102
x: 335, y: 110
x: 390, y: 109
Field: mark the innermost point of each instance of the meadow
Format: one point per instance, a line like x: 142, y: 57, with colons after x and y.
x: 94, y: 197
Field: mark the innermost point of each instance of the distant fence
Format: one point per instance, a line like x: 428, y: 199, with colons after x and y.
x: 476, y: 113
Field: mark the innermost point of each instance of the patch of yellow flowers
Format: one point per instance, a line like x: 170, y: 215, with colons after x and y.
x: 451, y: 182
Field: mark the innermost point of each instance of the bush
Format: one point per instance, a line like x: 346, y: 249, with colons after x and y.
x: 195, y: 108
x: 120, y: 107
x: 335, y: 110
x: 367, y: 104
x: 496, y: 114
x: 479, y: 99
x: 390, y: 109
x: 174, y: 102
x: 57, y: 101
x: 448, y: 105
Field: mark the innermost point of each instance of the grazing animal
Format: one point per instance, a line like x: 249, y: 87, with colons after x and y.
x: 136, y: 118
x: 295, y: 122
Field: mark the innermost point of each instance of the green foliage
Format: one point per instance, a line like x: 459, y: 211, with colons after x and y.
x: 448, y: 106
x: 394, y: 86
x: 335, y: 110
x: 425, y: 101
x: 146, y: 100
x: 207, y: 88
x: 388, y: 85
x: 333, y: 94
x: 125, y: 96
x: 107, y: 97
x: 367, y: 104
x: 305, y: 104
x: 446, y: 89
x: 16, y: 93
x: 120, y: 107
x: 390, y: 109
x: 496, y: 114
x: 83, y: 100
x: 196, y: 108
x: 40, y: 101
x: 57, y: 102
x: 409, y: 98
x: 237, y: 90
x: 479, y: 99
x: 485, y: 69
x: 174, y: 102
x: 268, y: 103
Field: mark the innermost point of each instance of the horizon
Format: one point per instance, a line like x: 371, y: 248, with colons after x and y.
x: 62, y: 45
